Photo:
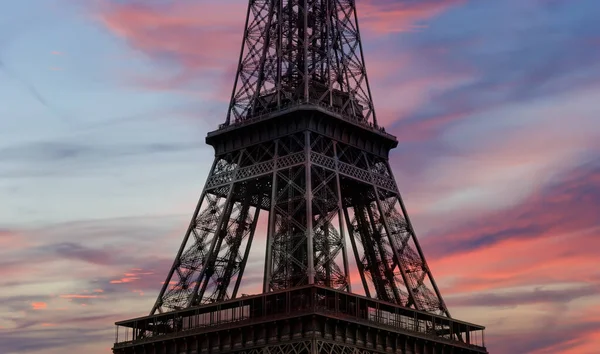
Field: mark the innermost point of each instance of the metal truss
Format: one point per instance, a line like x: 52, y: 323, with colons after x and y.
x: 304, y: 214
x: 314, y: 189
x: 301, y: 51
x: 308, y: 347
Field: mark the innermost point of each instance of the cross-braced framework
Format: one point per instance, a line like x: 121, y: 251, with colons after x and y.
x: 301, y: 150
x: 300, y: 51
x: 313, y: 188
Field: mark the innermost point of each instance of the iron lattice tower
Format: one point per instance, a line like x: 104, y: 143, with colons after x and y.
x: 300, y: 142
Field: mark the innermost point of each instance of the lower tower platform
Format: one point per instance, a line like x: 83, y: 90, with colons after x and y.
x: 309, y: 319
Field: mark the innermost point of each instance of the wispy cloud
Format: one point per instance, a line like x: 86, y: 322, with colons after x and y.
x: 35, y: 93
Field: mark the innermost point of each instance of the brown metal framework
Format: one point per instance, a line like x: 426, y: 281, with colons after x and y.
x: 301, y: 143
x: 315, y: 186
x: 302, y: 320
x: 314, y: 183
x: 301, y: 51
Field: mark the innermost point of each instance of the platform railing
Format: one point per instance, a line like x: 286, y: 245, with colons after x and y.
x: 287, y: 107
x: 296, y: 303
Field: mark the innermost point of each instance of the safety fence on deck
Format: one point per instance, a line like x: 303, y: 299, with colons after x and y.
x: 296, y: 303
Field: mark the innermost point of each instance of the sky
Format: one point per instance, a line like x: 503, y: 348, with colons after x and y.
x: 104, y: 106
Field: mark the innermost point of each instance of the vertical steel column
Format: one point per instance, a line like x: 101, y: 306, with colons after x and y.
x: 326, y: 248
x: 263, y: 57
x: 279, y: 50
x: 309, y: 215
x: 271, y: 227
x: 341, y: 217
x: 238, y: 71
x: 364, y: 67
x: 328, y: 39
x: 359, y: 263
x: 305, y: 47
x: 246, y: 253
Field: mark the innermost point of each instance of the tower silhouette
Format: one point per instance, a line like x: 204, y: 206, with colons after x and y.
x: 301, y: 143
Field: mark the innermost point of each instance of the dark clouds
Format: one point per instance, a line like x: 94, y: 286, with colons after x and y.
x: 522, y: 298
x: 48, y: 152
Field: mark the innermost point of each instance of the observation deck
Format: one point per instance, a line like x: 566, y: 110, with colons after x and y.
x: 299, y: 314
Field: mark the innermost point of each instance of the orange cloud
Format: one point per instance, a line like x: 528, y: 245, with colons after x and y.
x: 124, y: 280
x: 39, y: 305
x: 130, y: 277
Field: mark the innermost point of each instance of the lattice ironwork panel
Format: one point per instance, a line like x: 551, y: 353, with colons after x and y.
x: 309, y: 200
x: 301, y: 51
x: 227, y: 257
x: 288, y: 232
x: 329, y: 247
x: 256, y: 170
x: 178, y: 289
x: 302, y: 347
x: 322, y: 160
x: 335, y: 348
x: 291, y: 160
x: 417, y: 276
x: 377, y: 261
x: 220, y: 179
x: 354, y: 172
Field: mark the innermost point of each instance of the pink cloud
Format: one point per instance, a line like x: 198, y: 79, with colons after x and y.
x: 397, y: 16
x: 198, y: 37
x: 486, y: 269
x: 12, y: 240
x: 205, y: 38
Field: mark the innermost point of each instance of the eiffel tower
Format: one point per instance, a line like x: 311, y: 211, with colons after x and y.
x: 301, y: 143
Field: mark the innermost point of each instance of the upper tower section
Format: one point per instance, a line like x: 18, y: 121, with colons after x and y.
x: 299, y: 52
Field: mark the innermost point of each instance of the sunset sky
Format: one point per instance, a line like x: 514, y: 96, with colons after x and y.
x: 104, y: 106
